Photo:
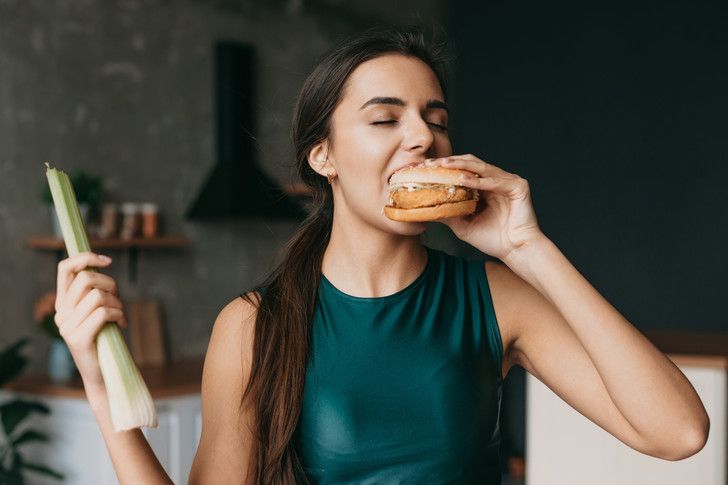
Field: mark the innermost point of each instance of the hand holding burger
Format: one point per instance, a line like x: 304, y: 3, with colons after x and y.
x: 437, y: 190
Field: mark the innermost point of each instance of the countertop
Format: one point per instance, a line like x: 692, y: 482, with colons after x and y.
x: 175, y: 379
x: 704, y: 349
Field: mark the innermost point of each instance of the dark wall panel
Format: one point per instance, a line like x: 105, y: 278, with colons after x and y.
x: 618, y: 118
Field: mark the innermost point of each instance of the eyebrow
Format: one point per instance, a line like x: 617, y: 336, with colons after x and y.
x: 431, y: 104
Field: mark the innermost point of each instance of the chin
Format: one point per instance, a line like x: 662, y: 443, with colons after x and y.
x: 405, y: 228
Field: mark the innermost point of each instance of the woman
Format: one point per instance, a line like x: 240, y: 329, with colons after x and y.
x: 369, y: 358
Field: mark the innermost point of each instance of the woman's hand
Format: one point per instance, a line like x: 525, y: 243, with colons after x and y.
x: 504, y: 219
x: 85, y: 301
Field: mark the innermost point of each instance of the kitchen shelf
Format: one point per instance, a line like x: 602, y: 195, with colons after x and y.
x: 55, y: 244
x: 297, y: 190
x: 168, y: 380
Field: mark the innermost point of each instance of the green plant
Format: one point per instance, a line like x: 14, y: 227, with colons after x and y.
x: 44, y: 313
x: 88, y: 188
x: 12, y: 415
x: 49, y: 327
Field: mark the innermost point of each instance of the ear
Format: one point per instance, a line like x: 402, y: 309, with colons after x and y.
x: 319, y: 159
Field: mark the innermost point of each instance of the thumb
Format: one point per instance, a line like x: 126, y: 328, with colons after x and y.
x: 456, y: 224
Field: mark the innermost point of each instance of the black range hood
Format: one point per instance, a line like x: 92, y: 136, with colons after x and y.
x: 236, y: 187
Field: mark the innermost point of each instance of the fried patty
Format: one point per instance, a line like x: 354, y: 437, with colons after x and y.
x: 407, y: 199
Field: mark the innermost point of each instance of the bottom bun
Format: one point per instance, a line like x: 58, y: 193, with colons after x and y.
x: 422, y: 214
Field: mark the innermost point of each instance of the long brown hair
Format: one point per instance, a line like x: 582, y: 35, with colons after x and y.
x: 286, y: 306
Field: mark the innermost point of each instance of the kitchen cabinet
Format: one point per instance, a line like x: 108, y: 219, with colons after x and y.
x: 76, y: 447
x: 563, y: 447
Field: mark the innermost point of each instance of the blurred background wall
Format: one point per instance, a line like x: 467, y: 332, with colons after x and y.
x: 123, y: 89
x: 616, y: 114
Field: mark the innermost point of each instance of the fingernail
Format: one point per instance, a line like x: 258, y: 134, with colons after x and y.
x: 104, y: 258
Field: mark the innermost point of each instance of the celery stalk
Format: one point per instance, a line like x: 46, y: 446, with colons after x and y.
x: 130, y: 403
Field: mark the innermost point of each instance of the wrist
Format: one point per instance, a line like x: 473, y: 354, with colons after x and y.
x: 96, y: 397
x: 522, y: 257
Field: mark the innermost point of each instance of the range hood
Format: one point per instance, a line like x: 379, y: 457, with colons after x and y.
x: 236, y: 187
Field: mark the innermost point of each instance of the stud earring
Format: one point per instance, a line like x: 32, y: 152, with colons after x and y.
x: 330, y: 177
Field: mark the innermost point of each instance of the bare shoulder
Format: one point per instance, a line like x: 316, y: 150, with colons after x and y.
x: 504, y: 283
x: 237, y: 318
x: 227, y: 422
x: 231, y: 340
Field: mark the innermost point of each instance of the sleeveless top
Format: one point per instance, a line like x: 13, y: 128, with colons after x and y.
x: 405, y: 388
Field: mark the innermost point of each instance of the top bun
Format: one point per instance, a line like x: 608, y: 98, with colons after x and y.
x: 428, y: 175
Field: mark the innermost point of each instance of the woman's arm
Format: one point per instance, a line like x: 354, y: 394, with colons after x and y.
x: 85, y: 301
x: 132, y: 457
x: 227, y: 426
x: 222, y: 456
x: 568, y: 335
x: 579, y: 345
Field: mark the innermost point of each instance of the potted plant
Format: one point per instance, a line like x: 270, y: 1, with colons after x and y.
x: 60, y: 362
x: 88, y: 189
x: 12, y: 415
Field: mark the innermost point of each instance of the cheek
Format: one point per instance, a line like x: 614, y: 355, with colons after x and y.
x: 373, y: 141
x: 365, y: 155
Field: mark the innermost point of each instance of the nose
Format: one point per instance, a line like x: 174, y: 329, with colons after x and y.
x: 419, y: 134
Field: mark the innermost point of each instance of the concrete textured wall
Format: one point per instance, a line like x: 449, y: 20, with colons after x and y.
x: 123, y: 89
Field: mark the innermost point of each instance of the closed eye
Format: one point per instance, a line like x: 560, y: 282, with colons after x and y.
x: 389, y: 122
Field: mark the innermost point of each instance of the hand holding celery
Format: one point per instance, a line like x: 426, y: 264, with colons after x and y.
x: 130, y: 403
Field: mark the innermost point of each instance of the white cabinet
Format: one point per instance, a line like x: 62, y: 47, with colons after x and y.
x: 76, y: 447
x: 565, y: 448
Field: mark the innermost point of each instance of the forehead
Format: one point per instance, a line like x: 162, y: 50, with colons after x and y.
x: 393, y: 75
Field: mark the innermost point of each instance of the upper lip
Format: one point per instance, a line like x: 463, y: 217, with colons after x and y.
x: 409, y: 164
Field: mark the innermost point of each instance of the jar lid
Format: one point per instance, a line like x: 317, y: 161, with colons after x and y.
x: 129, y: 207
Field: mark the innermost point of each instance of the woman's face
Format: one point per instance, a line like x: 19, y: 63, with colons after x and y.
x: 392, y: 114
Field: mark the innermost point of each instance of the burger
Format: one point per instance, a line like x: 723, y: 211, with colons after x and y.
x: 420, y: 193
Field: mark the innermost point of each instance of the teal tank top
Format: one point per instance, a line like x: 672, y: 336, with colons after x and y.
x: 405, y: 388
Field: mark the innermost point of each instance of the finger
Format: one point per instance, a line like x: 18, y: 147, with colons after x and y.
x: 85, y: 281
x: 93, y: 300
x: 512, y: 187
x: 86, y: 333
x: 96, y: 321
x: 475, y: 165
x: 69, y: 267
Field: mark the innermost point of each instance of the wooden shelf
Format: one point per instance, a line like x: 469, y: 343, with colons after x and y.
x: 53, y: 243
x: 689, y: 342
x: 297, y: 190
x: 170, y: 380
x: 692, y: 348
x: 718, y: 361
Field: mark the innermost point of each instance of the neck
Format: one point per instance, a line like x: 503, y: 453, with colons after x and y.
x: 365, y: 262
